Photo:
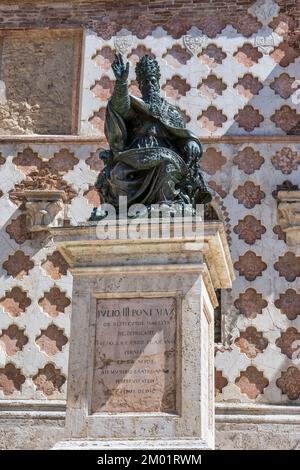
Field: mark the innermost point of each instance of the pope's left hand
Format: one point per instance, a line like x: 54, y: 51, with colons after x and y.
x: 192, y: 150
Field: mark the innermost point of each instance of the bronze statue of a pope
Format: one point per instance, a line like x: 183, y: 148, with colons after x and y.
x: 152, y: 158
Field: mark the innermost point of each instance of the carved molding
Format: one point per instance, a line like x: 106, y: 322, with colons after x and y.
x: 124, y: 44
x: 289, y: 215
x: 193, y: 43
x: 44, y: 209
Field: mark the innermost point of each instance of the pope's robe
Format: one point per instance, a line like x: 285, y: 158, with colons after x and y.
x: 147, y: 162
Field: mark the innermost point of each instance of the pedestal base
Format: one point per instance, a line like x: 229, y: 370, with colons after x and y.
x: 141, y: 369
x: 93, y: 444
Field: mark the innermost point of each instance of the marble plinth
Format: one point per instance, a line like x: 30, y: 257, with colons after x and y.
x: 141, y: 372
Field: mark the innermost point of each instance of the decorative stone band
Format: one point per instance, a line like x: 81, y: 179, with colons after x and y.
x: 256, y: 414
x: 32, y: 409
x: 224, y: 412
x: 114, y: 444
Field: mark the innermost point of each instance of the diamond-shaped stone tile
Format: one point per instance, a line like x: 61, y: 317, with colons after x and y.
x: 289, y: 382
x: 249, y: 194
x: 288, y: 266
x: 211, y: 87
x: 103, y: 88
x: 17, y: 229
x: 11, y: 379
x: 92, y: 196
x: 289, y: 343
x: 212, y: 119
x: 104, y: 57
x: 248, y: 86
x: 247, y: 55
x: 250, y: 265
x: 27, y: 161
x: 284, y: 85
x: 247, y: 25
x: 212, y: 25
x: 250, y: 303
x: 251, y: 382
x: 15, y: 301
x: 63, y: 161
x: 212, y: 161
x: 264, y: 10
x: 282, y: 24
x: 18, y: 265
x: 251, y: 342
x: 176, y: 87
x: 284, y: 54
x: 289, y: 304
x: 94, y: 161
x: 248, y: 118
x: 136, y: 54
x: 286, y: 118
x: 54, y: 302
x: 55, y: 265
x: 217, y: 188
x: 248, y: 160
x: 98, y: 120
x: 52, y: 340
x: 286, y: 160
x: 177, y: 26
x: 49, y: 380
x: 212, y: 55
x: 249, y: 229
x: 13, y: 339
x: 142, y: 27
x: 176, y: 56
x: 108, y: 28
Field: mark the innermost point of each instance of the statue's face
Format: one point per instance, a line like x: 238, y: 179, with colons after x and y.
x: 149, y: 86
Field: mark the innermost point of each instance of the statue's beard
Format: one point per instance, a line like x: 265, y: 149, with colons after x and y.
x: 152, y: 98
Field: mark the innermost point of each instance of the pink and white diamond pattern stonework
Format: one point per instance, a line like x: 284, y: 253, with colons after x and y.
x: 237, y: 89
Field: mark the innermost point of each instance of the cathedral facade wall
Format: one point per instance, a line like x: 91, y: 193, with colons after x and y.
x: 231, y: 69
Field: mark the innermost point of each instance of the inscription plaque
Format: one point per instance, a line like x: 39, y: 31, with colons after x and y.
x: 135, y: 355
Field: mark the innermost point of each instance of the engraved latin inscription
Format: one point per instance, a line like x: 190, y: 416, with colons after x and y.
x: 134, y: 363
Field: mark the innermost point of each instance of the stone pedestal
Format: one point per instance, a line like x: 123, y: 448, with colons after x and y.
x: 141, y: 353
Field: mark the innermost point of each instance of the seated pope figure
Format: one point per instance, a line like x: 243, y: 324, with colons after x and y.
x: 153, y: 158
